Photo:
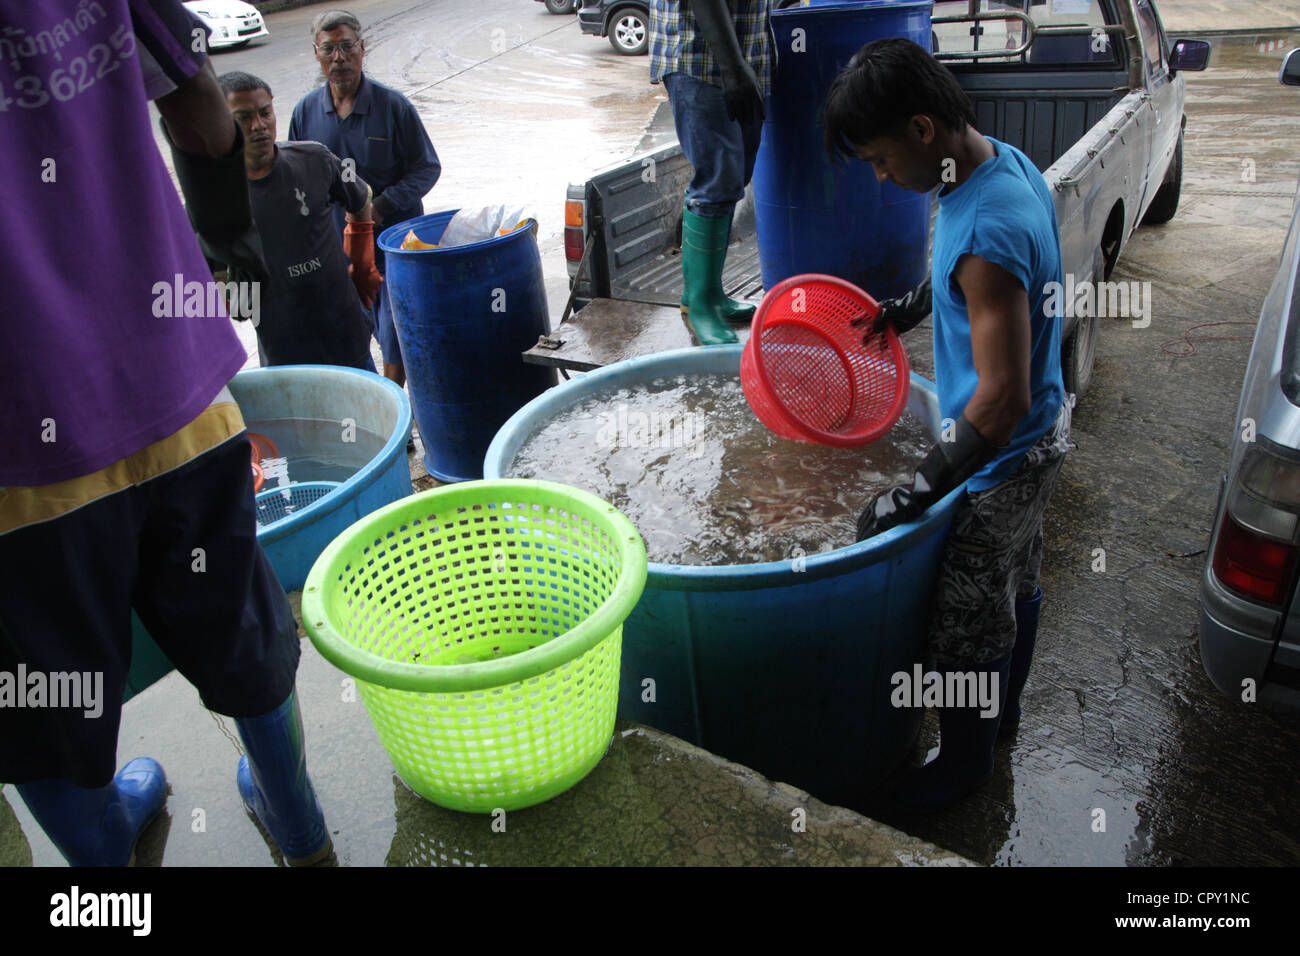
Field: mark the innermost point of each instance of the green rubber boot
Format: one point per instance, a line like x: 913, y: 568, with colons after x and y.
x: 734, y: 311
x: 740, y: 313
x: 704, y: 248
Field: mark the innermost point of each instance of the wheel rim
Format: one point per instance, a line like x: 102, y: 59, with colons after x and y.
x: 629, y: 32
x: 1087, y: 350
x: 1088, y: 330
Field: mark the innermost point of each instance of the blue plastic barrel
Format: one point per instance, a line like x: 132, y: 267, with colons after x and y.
x: 465, y: 315
x: 784, y: 666
x: 811, y: 214
x: 320, y: 392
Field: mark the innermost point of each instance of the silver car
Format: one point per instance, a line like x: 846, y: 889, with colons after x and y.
x: 1250, y: 596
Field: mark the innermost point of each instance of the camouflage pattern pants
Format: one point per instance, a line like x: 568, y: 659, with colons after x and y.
x: 992, y: 557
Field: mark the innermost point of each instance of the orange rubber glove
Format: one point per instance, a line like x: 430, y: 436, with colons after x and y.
x: 359, y: 247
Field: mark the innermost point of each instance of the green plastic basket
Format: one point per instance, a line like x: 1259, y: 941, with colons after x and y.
x: 483, y: 623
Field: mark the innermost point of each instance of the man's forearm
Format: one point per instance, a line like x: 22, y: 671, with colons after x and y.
x: 996, y: 412
x: 197, y: 116
x: 719, y: 32
x: 409, y: 190
x: 1000, y: 338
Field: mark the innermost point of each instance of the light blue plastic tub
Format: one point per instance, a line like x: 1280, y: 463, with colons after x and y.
x: 329, y: 393
x: 322, y: 392
x: 784, y: 666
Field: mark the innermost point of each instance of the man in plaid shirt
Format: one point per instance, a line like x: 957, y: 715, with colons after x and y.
x: 714, y: 58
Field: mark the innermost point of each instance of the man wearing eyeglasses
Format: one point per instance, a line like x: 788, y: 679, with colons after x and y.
x: 379, y: 129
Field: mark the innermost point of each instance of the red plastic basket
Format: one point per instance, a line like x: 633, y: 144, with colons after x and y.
x: 806, y: 372
x: 263, y: 447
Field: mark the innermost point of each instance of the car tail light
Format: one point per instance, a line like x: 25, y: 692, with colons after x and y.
x: 1251, y: 564
x: 1271, y: 477
x: 1256, y: 554
x: 574, y: 240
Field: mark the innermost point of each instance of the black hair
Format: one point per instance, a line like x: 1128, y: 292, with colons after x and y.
x: 886, y: 83
x: 237, y: 81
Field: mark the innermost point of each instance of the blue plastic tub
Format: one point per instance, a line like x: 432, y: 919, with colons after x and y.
x: 322, y: 392
x: 329, y: 393
x: 465, y: 315
x: 148, y: 663
x: 813, y: 215
x: 784, y: 666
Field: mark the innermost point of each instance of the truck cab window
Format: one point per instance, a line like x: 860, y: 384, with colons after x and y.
x: 1087, y: 49
x: 1152, y: 38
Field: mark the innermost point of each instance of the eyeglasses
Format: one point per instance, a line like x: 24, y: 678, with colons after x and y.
x: 346, y: 47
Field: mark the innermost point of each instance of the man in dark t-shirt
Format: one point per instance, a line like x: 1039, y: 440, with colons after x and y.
x: 310, y: 313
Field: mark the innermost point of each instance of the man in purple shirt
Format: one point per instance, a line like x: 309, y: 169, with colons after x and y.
x: 125, y: 481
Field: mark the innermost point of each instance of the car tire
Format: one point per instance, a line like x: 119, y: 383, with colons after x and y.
x: 1079, y: 351
x: 629, y: 31
x: 1165, y: 204
x: 561, y: 6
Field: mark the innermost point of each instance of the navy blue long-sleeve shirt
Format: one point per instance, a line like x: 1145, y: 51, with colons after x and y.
x: 385, y: 137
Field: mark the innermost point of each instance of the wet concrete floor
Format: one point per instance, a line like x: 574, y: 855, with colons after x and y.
x: 653, y: 800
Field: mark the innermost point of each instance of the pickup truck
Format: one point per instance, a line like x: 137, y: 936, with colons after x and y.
x: 1090, y: 90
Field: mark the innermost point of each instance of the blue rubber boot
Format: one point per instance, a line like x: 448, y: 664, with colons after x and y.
x: 965, y: 760
x: 273, y: 781
x: 1026, y: 636
x: 98, y: 827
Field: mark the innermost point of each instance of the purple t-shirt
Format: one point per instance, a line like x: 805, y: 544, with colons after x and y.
x: 95, y: 361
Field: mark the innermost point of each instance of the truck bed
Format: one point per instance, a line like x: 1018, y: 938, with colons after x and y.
x: 1089, y: 117
x: 639, y: 256
x: 659, y: 280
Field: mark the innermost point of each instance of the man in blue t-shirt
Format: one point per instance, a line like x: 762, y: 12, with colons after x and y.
x: 997, y: 351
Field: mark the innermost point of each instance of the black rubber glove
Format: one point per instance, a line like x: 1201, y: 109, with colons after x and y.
x: 216, y: 199
x: 247, y: 285
x: 948, y: 464
x: 904, y: 313
x: 742, y: 94
x: 741, y: 91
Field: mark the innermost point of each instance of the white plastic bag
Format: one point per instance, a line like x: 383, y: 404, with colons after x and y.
x: 475, y: 225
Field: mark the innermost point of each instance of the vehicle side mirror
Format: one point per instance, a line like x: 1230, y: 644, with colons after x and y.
x: 1289, y: 75
x: 1191, y: 55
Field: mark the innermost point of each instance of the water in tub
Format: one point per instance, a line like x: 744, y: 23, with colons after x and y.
x: 314, y: 450
x: 705, y: 482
